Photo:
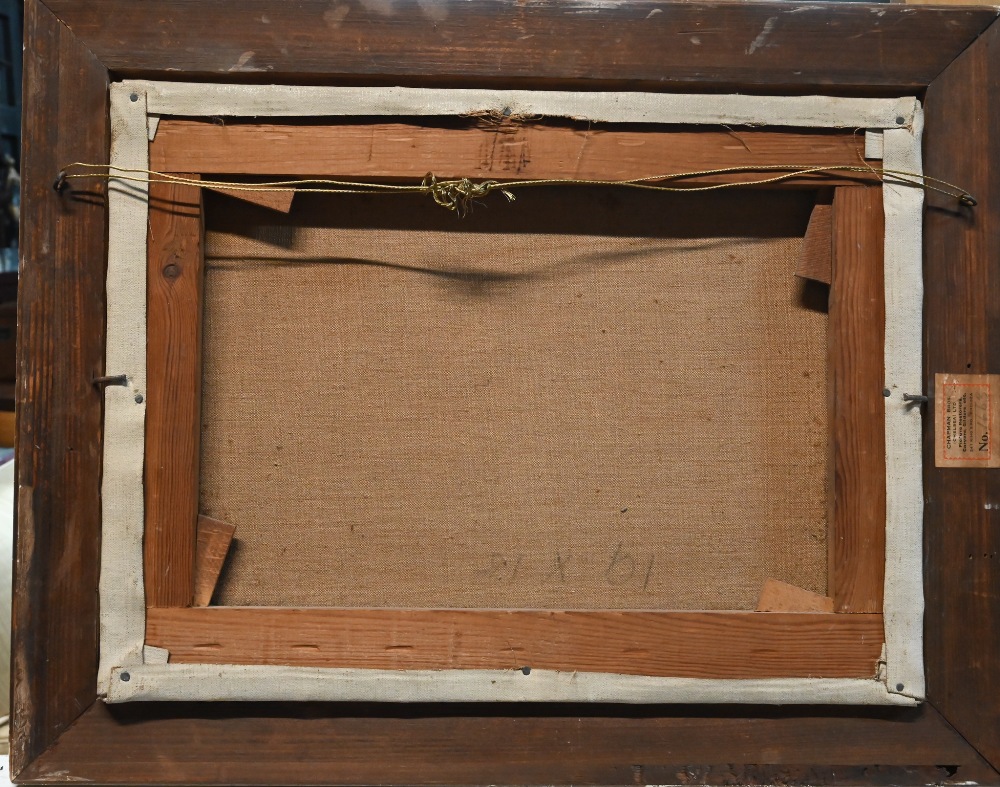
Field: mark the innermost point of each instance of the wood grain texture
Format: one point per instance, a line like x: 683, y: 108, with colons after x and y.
x: 346, y: 744
x: 214, y: 539
x: 275, y: 200
x: 816, y: 258
x: 683, y: 644
x: 962, y: 336
x: 60, y: 351
x: 950, y: 2
x: 173, y: 411
x: 777, y: 596
x: 498, y: 151
x: 856, y: 336
x: 645, y: 43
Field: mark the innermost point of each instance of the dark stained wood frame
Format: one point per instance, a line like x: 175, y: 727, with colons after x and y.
x: 60, y: 732
x: 617, y: 642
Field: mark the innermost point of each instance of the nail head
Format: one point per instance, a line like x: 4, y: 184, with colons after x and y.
x: 133, y: 98
x: 138, y: 398
x: 125, y: 677
x: 900, y: 120
x: 899, y: 687
x: 886, y: 393
x: 525, y: 670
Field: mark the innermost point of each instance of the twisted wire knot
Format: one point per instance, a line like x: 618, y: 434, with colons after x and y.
x: 458, y: 195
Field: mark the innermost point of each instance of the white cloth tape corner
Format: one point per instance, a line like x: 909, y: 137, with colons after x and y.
x: 873, y: 144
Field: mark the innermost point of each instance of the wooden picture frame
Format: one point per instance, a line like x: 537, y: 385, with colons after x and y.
x: 60, y: 730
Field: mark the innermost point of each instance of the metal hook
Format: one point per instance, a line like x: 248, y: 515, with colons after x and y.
x: 111, y: 379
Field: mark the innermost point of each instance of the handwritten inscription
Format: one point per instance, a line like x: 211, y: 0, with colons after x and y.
x: 622, y: 566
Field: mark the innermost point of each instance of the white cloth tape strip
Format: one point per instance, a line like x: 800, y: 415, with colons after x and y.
x: 203, y: 682
x: 122, y: 598
x: 903, y: 604
x: 122, y: 593
x: 180, y: 98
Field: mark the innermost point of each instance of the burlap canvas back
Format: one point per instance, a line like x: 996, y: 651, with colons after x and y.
x: 586, y: 399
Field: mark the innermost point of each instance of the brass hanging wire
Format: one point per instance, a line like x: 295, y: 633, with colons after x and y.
x: 459, y: 194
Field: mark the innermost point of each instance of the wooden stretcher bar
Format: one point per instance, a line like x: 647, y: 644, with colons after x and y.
x: 627, y: 642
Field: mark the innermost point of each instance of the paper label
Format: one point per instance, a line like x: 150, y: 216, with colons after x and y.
x: 966, y: 420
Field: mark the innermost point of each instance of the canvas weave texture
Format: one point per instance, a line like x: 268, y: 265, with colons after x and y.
x: 583, y: 400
